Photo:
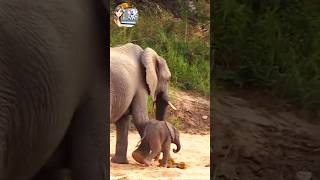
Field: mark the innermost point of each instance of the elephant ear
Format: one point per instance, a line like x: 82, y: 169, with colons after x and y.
x: 149, y: 60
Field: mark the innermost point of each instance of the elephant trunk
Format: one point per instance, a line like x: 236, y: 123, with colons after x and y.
x: 177, y: 142
x: 161, y: 106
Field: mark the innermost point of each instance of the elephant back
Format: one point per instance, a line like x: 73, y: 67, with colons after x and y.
x: 129, y: 49
x: 125, y: 79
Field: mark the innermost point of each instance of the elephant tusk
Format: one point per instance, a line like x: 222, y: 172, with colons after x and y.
x: 172, y: 106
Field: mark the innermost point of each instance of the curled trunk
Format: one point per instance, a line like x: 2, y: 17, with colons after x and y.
x: 177, y: 143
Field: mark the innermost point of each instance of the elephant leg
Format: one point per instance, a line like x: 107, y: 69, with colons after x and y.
x: 87, y: 141
x: 164, y: 160
x: 157, y: 157
x: 56, y: 167
x: 152, y: 155
x: 62, y: 174
x: 140, y: 119
x: 165, y: 155
x: 141, y: 152
x: 155, y: 150
x: 122, y: 128
x: 139, y: 111
x: 144, y: 149
x: 55, y: 174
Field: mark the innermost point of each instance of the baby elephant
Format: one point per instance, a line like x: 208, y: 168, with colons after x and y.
x: 159, y: 135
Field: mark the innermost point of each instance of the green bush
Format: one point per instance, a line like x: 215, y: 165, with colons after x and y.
x: 272, y: 45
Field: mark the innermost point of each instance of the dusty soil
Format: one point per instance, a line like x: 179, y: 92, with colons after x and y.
x: 254, y: 138
x: 255, y: 141
x: 195, y: 152
x: 193, y: 121
x: 193, y: 113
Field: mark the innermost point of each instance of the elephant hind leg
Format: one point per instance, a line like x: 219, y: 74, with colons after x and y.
x: 155, y: 151
x: 87, y: 142
x: 157, y: 156
x: 141, y: 152
x: 122, y: 128
x: 166, y: 154
x: 57, y: 167
x: 55, y: 174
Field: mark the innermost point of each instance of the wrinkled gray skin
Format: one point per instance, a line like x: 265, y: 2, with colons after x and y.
x: 135, y: 73
x: 53, y: 84
x: 159, y: 137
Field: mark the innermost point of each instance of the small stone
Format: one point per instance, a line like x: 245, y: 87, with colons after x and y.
x: 303, y: 175
x: 205, y: 117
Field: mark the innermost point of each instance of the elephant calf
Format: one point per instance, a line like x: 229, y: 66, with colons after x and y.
x: 158, y: 135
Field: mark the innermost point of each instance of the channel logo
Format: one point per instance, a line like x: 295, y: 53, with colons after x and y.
x: 125, y: 15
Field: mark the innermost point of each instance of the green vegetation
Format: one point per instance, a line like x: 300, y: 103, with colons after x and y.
x: 176, y: 122
x: 187, y: 55
x: 272, y: 45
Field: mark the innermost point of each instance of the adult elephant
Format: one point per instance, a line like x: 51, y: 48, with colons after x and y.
x: 53, y: 80
x: 135, y: 73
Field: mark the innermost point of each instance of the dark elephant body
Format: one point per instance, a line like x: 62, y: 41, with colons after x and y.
x: 53, y: 81
x: 159, y: 135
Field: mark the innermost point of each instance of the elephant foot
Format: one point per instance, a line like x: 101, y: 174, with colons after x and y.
x: 157, y: 157
x: 63, y: 174
x: 119, y: 160
x: 163, y: 165
x: 52, y: 174
x: 147, y: 162
x: 138, y: 156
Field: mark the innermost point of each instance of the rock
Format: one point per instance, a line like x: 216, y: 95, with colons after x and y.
x: 205, y: 117
x: 303, y: 175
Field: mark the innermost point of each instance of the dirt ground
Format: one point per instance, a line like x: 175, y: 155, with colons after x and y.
x: 195, y: 152
x: 193, y: 113
x: 192, y: 119
x: 253, y: 140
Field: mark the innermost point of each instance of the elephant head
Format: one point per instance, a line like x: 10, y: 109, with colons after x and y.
x: 157, y: 76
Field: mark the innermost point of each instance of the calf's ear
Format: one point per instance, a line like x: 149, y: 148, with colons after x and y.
x: 171, y: 129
